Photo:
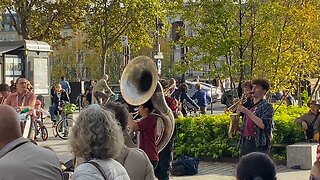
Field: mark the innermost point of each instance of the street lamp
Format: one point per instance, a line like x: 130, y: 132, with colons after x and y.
x: 158, y: 55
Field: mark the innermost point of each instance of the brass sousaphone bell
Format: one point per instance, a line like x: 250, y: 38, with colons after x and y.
x: 139, y: 83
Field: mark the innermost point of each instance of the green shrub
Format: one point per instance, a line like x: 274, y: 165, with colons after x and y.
x: 207, y: 136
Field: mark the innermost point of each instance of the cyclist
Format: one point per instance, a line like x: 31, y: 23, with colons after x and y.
x: 37, y: 120
x: 22, y: 98
x: 59, y: 96
x: 102, y: 90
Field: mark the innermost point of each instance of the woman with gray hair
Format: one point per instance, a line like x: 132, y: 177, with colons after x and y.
x: 98, y: 139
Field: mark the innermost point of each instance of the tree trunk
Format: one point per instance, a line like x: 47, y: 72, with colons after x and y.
x: 315, y: 88
x: 103, y: 61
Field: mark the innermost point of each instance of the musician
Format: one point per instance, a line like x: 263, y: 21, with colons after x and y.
x: 258, y: 122
x: 165, y: 156
x: 148, y: 132
x: 247, y: 91
x: 311, y: 120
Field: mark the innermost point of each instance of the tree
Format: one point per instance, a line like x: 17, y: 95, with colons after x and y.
x: 108, y: 20
x: 288, y: 42
x: 278, y: 40
x: 44, y: 20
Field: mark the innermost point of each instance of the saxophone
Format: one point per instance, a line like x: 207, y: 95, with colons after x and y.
x: 235, y: 116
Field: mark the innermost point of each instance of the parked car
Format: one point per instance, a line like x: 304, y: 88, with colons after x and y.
x: 116, y: 89
x: 212, y: 91
x: 215, y: 89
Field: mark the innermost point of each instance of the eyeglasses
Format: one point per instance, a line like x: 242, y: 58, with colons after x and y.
x: 23, y: 82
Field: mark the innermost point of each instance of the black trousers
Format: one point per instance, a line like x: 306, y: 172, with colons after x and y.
x: 165, y: 159
x: 248, y: 145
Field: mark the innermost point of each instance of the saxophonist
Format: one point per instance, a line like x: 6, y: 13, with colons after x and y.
x: 258, y: 121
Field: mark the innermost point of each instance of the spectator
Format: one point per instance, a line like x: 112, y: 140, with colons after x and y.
x: 315, y: 171
x: 202, y: 98
x: 38, y: 114
x: 102, y: 90
x: 58, y: 98
x: 310, y: 121
x: 98, y: 139
x: 256, y: 165
x: 22, y: 98
x: 65, y: 85
x: 148, y: 131
x: 19, y: 158
x: 130, y: 157
x: 4, y: 92
x: 182, y: 97
x: 12, y: 86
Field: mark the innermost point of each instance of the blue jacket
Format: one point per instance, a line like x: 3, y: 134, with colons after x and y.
x: 202, y: 98
x: 66, y: 86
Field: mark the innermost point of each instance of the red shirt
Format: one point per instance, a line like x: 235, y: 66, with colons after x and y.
x: 249, y: 126
x: 148, y: 136
x: 16, y: 100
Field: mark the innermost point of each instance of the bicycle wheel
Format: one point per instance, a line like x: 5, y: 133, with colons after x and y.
x: 63, y: 127
x: 27, y: 126
x: 44, y: 133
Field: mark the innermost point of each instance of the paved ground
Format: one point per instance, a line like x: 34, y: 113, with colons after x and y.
x: 207, y: 170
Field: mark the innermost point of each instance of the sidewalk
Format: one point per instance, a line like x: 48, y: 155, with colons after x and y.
x: 207, y: 170
x: 227, y: 171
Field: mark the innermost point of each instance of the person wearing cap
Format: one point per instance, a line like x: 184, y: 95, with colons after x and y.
x: 256, y: 131
x: 38, y: 111
x: 311, y: 119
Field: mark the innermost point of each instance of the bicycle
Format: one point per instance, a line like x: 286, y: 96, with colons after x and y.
x: 40, y: 128
x: 64, y: 121
x: 25, y: 122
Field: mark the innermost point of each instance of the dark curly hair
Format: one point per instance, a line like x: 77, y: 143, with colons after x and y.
x: 256, y: 165
x: 261, y: 82
x: 120, y: 112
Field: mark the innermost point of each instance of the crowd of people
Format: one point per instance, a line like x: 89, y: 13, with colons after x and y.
x: 103, y: 148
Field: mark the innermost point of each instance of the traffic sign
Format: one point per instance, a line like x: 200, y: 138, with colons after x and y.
x: 124, y: 41
x: 159, y: 55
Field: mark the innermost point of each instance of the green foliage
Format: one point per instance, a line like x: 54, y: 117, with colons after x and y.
x: 44, y: 20
x: 204, y: 137
x: 277, y: 40
x: 305, y: 97
x: 286, y: 130
x: 207, y: 136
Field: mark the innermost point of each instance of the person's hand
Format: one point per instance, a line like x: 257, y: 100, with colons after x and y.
x: 242, y: 109
x: 18, y: 109
x: 59, y: 108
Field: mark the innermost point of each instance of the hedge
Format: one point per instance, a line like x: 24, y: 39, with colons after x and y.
x: 206, y: 136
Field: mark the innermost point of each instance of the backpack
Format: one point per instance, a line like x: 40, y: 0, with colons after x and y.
x: 185, y: 165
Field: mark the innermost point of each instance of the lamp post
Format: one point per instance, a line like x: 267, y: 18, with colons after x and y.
x: 158, y: 55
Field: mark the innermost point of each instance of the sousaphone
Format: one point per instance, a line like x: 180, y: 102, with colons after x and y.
x: 138, y: 84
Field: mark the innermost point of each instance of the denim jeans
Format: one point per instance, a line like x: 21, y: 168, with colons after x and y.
x: 53, y: 111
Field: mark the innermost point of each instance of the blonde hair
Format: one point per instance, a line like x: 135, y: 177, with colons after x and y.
x: 96, y: 134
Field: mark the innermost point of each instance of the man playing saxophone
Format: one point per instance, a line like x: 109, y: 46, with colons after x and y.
x: 246, y: 101
x: 257, y: 123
